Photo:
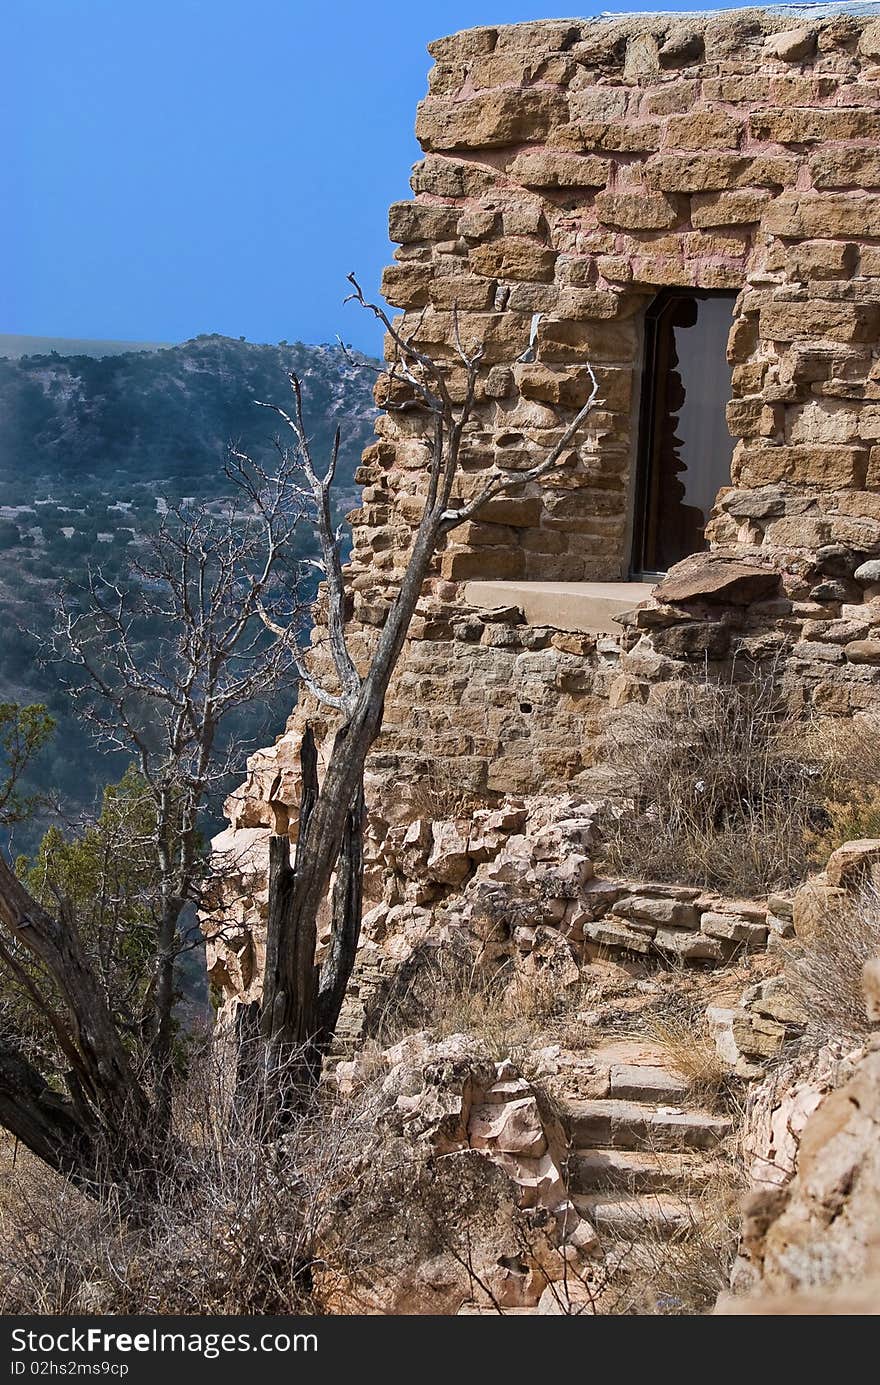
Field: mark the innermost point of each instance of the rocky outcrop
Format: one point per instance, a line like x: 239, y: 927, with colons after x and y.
x: 516, y: 885
x: 491, y: 1223
x: 811, y: 1230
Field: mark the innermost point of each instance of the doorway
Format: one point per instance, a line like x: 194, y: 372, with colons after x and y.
x: 685, y: 449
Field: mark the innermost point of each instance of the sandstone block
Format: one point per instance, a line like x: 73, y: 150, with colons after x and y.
x: 728, y: 208
x: 406, y: 285
x: 560, y: 170
x: 690, y: 947
x: 412, y: 221
x: 792, y: 45
x: 823, y: 259
x: 695, y: 172
x: 703, y: 130
x: 589, y: 305
x: 816, y: 318
x: 851, y: 864
x: 813, y: 905
x: 862, y: 651
x: 513, y: 257
x: 809, y: 126
x: 462, y: 291
x: 805, y: 215
x: 869, y: 41
x: 824, y: 467
x: 846, y: 167
x: 450, y: 177
x: 709, y: 576
x: 565, y: 386
x: 502, y: 565
x: 638, y: 210
x: 597, y: 342
x: 733, y: 927
x: 683, y: 45
x: 610, y: 934
x: 491, y: 120
x: 661, y: 912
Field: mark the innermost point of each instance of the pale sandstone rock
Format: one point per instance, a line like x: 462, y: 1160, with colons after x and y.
x: 851, y: 864
x: 711, y: 576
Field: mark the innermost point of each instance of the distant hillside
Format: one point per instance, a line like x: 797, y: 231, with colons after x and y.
x: 91, y: 448
x: 15, y: 346
x: 166, y: 416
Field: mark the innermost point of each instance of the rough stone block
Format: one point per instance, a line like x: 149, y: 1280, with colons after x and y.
x: 638, y: 210
x: 703, y: 130
x: 412, y: 221
x: 824, y: 467
x: 513, y: 257
x: 690, y: 947
x: 559, y: 170
x: 728, y: 208
x: 695, y: 172
x: 491, y: 120
x: 820, y: 319
x: 734, y: 928
x: 813, y: 126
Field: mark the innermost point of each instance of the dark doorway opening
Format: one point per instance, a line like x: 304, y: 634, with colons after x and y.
x: 685, y: 449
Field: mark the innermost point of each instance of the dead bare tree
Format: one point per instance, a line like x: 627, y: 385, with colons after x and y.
x: 157, y: 665
x: 301, y: 1002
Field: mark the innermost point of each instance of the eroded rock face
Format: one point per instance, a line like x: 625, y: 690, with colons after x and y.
x: 812, y: 1221
x: 489, y: 1161
x: 513, y: 887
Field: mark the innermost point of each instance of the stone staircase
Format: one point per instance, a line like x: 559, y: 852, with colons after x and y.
x: 641, y: 1154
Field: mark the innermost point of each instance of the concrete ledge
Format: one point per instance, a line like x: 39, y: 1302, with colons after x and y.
x: 587, y: 606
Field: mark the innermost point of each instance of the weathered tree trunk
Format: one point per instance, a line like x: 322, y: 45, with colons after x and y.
x: 102, y: 1080
x: 290, y: 982
x: 108, y: 1116
x: 299, y: 1010
x: 46, y: 1123
x: 348, y: 893
x: 162, y: 1047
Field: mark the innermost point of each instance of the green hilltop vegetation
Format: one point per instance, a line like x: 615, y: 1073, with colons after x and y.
x: 92, y: 448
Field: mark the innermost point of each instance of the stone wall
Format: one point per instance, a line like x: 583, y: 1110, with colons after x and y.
x: 573, y: 170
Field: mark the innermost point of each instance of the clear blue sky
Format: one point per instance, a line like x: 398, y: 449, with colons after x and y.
x: 181, y: 166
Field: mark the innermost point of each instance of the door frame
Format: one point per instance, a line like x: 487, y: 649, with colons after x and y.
x: 646, y: 471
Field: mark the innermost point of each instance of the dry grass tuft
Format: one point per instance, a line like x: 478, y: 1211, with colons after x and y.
x: 235, y: 1229
x: 716, y: 792
x: 682, y: 1275
x: 693, y: 1055
x: 443, y: 794
x: 449, y: 991
x: 824, y: 968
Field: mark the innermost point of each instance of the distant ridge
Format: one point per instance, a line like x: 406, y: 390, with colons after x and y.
x: 14, y: 346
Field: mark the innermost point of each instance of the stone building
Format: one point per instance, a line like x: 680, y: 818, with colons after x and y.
x: 690, y: 204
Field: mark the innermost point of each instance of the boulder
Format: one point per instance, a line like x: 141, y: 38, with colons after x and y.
x: 852, y: 864
x: 448, y: 861
x: 712, y: 577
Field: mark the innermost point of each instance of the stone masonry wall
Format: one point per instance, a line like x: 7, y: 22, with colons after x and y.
x: 573, y: 170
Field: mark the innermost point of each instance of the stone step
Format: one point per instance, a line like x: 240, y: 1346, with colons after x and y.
x: 640, y: 1082
x: 636, y: 1125
x: 625, y: 1215
x: 601, y: 1170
